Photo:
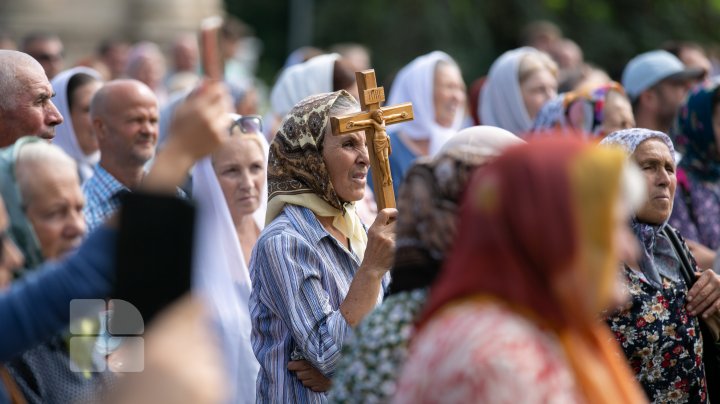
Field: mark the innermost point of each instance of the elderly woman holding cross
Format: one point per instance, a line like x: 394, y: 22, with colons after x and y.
x: 315, y: 269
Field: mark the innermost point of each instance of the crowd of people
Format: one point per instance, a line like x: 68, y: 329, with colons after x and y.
x: 556, y: 236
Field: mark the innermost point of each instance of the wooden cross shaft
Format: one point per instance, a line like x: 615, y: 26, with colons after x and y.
x: 373, y: 120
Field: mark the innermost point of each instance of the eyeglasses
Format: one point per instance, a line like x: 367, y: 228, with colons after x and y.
x: 48, y: 57
x: 248, y: 124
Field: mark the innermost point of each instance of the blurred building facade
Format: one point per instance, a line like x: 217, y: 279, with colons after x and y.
x: 83, y: 24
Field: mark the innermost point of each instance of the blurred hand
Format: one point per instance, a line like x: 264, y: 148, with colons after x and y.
x: 309, y: 376
x: 183, y: 363
x: 704, y: 256
x: 200, y: 124
x: 704, y: 296
x: 380, y: 250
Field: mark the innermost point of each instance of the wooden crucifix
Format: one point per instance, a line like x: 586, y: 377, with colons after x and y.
x: 373, y: 120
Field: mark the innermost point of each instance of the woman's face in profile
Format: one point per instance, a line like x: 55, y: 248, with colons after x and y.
x: 347, y: 161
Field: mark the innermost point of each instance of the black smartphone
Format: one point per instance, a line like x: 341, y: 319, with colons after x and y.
x: 153, y: 258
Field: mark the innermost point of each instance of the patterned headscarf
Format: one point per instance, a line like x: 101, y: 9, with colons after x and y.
x: 554, y: 116
x: 428, y: 202
x: 297, y: 173
x: 658, y: 256
x: 694, y: 134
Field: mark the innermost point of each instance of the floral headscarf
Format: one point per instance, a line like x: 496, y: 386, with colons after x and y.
x: 658, y: 256
x: 694, y: 134
x: 297, y: 173
x: 554, y: 115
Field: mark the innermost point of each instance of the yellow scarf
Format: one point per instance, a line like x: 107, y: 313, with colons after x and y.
x: 346, y: 221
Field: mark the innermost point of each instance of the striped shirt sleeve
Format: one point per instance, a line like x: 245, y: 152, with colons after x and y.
x: 293, y: 272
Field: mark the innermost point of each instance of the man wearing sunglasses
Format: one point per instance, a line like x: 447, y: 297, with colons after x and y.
x: 46, y: 48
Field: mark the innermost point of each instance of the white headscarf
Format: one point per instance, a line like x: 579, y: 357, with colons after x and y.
x: 64, y: 133
x: 223, y: 278
x: 501, y: 101
x: 415, y: 83
x: 298, y: 81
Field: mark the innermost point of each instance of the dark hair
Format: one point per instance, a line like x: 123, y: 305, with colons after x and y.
x: 75, y: 82
x: 38, y: 36
x: 343, y: 76
x: 107, y: 45
x: 676, y: 47
x: 716, y: 98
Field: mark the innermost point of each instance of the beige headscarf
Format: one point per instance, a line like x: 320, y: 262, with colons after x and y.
x: 297, y: 174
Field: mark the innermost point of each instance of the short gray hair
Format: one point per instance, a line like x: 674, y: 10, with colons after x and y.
x: 11, y: 63
x: 38, y: 154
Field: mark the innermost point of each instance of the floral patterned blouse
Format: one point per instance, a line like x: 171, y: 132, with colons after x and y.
x: 479, y: 352
x: 370, y: 363
x: 664, y: 353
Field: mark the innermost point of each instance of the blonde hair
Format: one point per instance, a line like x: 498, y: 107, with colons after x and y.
x: 533, y: 62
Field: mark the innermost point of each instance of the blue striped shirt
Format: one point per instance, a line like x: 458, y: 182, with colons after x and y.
x: 101, y: 199
x: 300, y: 276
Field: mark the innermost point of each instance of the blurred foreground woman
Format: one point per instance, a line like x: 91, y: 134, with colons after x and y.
x: 513, y: 316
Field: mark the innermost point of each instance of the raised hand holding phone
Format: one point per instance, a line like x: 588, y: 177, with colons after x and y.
x: 212, y: 63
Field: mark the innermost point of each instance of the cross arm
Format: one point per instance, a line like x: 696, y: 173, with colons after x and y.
x: 393, y: 114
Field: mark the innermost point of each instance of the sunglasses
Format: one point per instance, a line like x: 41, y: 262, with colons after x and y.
x: 247, y: 124
x: 47, y: 57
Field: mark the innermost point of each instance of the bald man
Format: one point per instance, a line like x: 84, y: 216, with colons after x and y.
x: 26, y: 106
x: 124, y: 115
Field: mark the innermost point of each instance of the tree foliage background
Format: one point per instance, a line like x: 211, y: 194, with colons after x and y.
x: 475, y: 32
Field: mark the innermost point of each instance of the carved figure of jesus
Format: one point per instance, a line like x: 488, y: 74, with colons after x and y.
x: 381, y: 142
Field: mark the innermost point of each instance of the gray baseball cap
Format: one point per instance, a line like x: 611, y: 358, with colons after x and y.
x: 649, y: 68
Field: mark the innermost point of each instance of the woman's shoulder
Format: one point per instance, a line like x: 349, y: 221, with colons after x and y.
x: 293, y: 224
x: 492, y: 320
x: 500, y: 348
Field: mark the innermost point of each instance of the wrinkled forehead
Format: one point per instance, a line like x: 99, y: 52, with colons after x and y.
x: 656, y: 147
x: 631, y: 139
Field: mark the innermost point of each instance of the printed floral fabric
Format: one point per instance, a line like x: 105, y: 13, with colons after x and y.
x: 661, y: 341
x: 696, y: 210
x: 370, y: 365
x: 477, y: 352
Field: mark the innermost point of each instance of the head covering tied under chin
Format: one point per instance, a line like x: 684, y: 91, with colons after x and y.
x: 657, y: 254
x: 297, y: 173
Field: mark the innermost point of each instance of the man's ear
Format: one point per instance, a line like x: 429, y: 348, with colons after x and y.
x: 98, y: 128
